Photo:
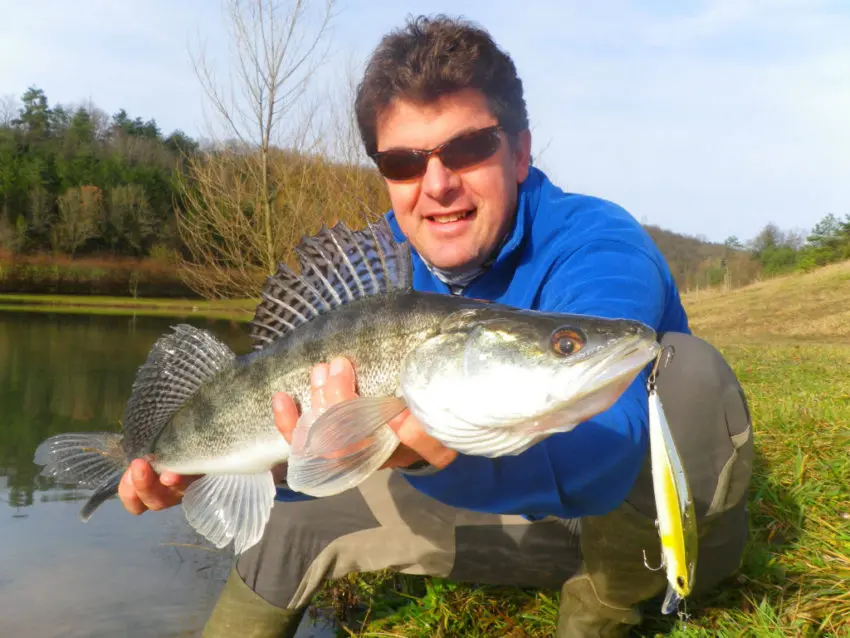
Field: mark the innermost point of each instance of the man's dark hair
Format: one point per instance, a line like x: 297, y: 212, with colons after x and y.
x: 432, y: 57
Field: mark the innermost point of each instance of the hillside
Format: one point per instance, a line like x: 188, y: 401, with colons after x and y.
x: 684, y: 249
x: 697, y: 264
x: 812, y: 306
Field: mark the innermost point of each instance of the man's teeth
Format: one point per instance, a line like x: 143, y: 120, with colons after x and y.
x: 445, y: 219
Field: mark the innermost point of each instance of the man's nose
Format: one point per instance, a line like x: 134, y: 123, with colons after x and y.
x: 439, y: 182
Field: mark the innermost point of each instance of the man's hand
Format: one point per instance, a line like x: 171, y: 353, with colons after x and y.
x: 141, y: 489
x: 333, y: 384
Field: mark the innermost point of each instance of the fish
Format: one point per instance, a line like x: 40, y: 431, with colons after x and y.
x: 674, y: 504
x: 486, y: 378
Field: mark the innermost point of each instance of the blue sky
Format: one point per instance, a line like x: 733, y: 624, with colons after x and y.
x: 708, y: 118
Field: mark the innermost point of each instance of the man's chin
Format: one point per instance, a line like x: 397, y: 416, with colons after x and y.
x: 456, y: 261
x: 448, y: 253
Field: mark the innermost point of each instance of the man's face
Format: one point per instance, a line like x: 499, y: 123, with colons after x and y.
x: 453, y: 218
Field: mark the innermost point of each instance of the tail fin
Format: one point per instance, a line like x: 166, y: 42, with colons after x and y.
x: 96, y: 461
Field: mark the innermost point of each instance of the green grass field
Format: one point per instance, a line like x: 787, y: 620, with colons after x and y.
x: 787, y: 340
x: 235, y: 309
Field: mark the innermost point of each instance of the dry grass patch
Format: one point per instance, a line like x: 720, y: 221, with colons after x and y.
x: 809, y: 306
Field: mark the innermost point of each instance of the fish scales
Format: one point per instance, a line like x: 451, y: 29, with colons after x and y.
x: 231, y: 413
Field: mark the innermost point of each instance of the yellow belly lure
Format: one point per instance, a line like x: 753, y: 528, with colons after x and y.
x: 676, y: 520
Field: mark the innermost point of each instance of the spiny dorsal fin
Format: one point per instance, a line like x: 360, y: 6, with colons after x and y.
x: 177, y: 365
x: 338, y: 265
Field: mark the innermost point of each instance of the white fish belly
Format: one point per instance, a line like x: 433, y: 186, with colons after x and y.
x: 258, y: 456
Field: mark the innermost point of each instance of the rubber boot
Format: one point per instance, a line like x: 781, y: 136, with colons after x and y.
x: 239, y: 611
x: 582, y: 614
x: 602, y: 600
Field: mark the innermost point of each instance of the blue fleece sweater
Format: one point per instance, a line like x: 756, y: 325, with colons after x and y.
x: 578, y: 254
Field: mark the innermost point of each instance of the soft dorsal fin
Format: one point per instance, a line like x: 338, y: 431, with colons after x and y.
x: 338, y: 265
x: 177, y: 365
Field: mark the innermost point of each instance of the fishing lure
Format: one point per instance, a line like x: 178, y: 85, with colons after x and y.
x: 676, y: 519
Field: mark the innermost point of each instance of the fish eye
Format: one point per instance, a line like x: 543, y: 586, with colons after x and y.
x: 567, y: 341
x: 680, y: 582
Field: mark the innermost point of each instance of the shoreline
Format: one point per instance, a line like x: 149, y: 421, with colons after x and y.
x: 226, y: 309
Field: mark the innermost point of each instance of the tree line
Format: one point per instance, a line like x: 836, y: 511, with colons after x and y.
x: 781, y: 251
x: 76, y: 183
x: 697, y: 263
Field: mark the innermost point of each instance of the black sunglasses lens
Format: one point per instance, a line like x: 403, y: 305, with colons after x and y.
x: 459, y: 153
x: 401, y: 165
x: 470, y: 149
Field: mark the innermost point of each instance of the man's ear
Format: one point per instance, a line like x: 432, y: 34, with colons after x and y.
x: 522, y: 155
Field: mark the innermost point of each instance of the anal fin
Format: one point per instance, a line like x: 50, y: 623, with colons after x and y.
x: 230, y: 507
x: 343, y: 446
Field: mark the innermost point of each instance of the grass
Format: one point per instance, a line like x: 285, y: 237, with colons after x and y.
x: 800, y: 306
x: 787, y: 341
x: 230, y: 309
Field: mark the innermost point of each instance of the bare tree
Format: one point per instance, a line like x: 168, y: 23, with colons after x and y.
x: 358, y: 191
x: 80, y: 208
x: 9, y: 107
x: 129, y: 218
x: 248, y: 197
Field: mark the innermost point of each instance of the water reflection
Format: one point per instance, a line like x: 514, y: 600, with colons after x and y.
x: 117, y: 574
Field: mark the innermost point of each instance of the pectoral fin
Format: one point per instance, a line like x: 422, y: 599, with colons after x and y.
x: 230, y: 507
x: 343, y: 446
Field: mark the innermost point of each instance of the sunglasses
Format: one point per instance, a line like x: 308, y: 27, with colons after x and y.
x: 459, y: 152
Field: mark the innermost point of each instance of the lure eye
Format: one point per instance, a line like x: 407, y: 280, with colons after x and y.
x: 567, y: 341
x: 680, y: 582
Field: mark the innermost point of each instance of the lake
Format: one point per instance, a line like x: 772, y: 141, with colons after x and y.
x: 118, y: 574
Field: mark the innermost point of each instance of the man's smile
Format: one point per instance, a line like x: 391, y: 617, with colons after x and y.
x: 450, y: 217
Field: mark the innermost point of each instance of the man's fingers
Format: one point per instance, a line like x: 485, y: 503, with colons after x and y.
x: 153, y: 494
x: 402, y: 457
x: 411, y: 434
x: 285, y: 414
x: 170, y: 479
x: 318, y: 379
x: 127, y: 493
x: 340, y: 385
x: 331, y: 383
x: 142, y: 475
x: 178, y: 483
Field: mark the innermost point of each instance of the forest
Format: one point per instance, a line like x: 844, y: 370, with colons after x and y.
x: 92, y: 203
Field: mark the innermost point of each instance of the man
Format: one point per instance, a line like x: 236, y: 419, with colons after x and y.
x: 575, y: 511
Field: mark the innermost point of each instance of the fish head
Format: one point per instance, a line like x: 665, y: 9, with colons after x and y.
x: 528, y: 372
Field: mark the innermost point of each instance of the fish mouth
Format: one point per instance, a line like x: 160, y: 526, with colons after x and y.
x: 625, y: 362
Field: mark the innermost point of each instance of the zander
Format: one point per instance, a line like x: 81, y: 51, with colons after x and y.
x: 483, y: 378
